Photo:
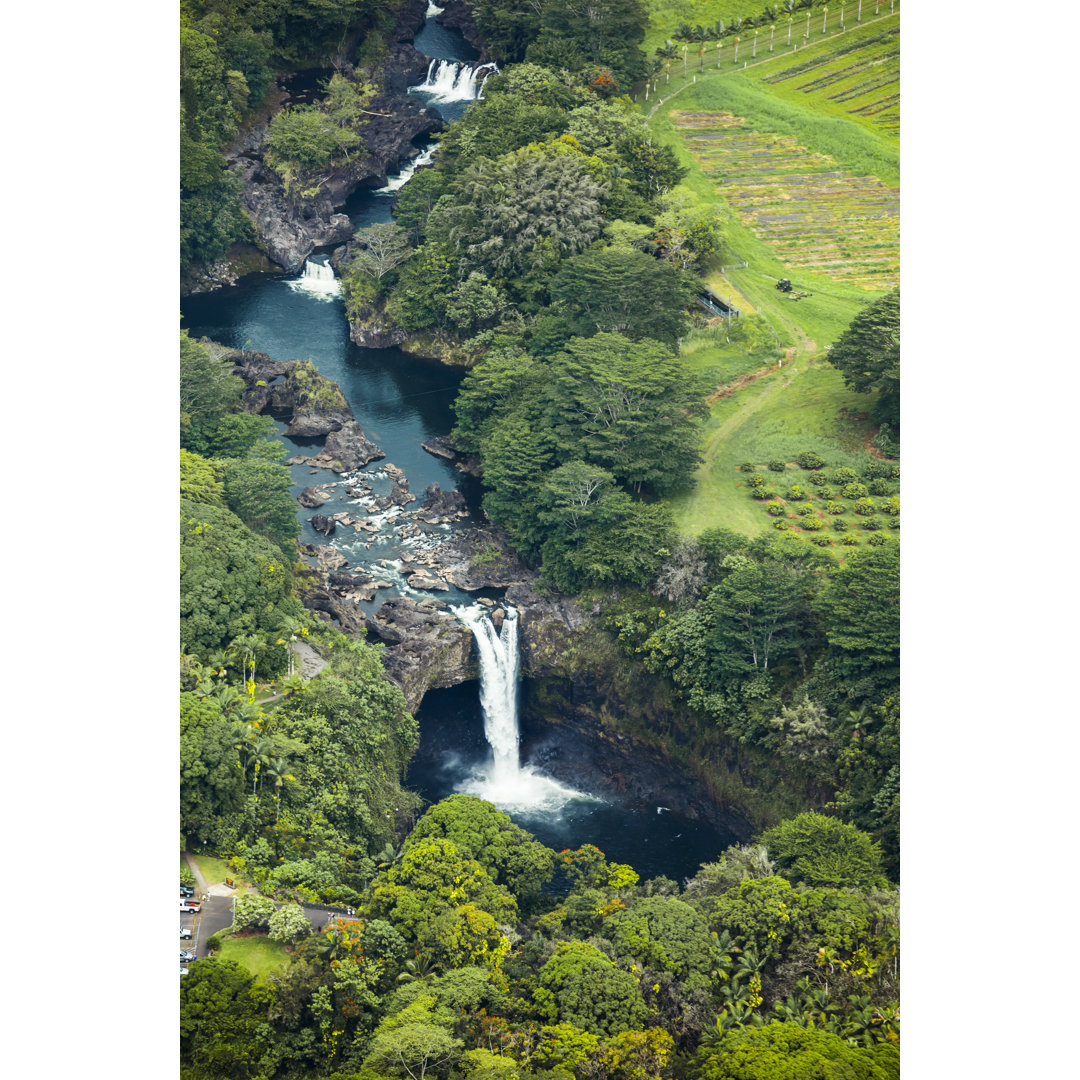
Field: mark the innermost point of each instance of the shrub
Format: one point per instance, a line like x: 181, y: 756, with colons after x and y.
x: 777, y: 466
x: 821, y: 541
x: 844, y: 475
x: 809, y: 460
x: 781, y: 525
x: 805, y: 509
x: 877, y: 540
x: 849, y: 541
x: 885, y: 441
x: 863, y: 507
x: 870, y: 524
x: 812, y: 523
x: 839, y: 525
x: 213, y: 942
x: 777, y: 509
x: 746, y: 466
x: 755, y: 481
x: 880, y: 487
x: 855, y: 491
x: 796, y: 493
x: 883, y: 470
x: 895, y: 523
x: 186, y: 876
x: 835, y: 507
x: 818, y: 479
x: 825, y: 492
x: 891, y: 506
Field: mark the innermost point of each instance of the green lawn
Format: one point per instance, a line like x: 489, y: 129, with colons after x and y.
x: 216, y: 870
x: 259, y: 954
x: 797, y: 408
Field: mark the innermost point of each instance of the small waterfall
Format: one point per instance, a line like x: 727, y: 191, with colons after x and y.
x: 449, y: 80
x: 406, y: 174
x: 433, y: 10
x: 506, y: 783
x: 318, y: 280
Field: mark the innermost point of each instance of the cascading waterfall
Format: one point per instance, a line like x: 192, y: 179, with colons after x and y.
x: 433, y: 10
x: 506, y: 783
x: 318, y: 280
x: 449, y: 80
x: 395, y: 183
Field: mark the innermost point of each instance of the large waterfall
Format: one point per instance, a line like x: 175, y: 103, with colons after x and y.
x: 449, y: 80
x: 318, y: 280
x: 505, y: 783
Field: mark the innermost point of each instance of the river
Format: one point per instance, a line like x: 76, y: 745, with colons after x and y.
x: 401, y: 401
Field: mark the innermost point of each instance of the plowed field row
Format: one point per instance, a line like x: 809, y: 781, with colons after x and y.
x: 814, y: 215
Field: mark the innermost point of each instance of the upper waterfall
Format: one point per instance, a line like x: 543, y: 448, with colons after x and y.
x: 318, y: 280
x: 506, y: 783
x: 449, y: 80
x: 395, y: 183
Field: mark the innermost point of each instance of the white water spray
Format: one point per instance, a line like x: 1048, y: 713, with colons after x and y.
x: 433, y: 10
x: 506, y: 783
x: 318, y: 280
x: 449, y: 80
x: 395, y: 183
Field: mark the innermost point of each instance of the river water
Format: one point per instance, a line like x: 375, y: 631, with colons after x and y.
x: 401, y: 401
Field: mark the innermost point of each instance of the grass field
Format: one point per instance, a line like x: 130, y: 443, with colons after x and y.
x: 217, y: 870
x: 258, y: 954
x: 764, y: 152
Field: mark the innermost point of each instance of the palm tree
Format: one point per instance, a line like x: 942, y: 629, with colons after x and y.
x: 842, y: 2
x: 754, y: 53
x: 790, y: 20
x: 685, y: 50
x: 858, y: 14
x: 277, y: 774
x: 806, y: 36
x: 824, y: 17
x: 772, y: 30
x: 736, y: 60
x: 292, y: 629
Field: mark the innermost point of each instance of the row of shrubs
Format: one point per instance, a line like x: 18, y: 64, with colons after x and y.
x: 875, y: 539
x: 875, y: 470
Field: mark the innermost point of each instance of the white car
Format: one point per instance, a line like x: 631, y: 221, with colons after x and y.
x: 183, y: 971
x: 185, y: 932
x: 189, y: 906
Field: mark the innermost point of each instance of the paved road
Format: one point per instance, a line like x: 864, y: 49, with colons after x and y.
x: 216, y: 914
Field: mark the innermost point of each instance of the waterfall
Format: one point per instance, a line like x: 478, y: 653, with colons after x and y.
x: 433, y: 10
x: 506, y: 783
x: 406, y: 174
x: 449, y: 80
x: 318, y: 280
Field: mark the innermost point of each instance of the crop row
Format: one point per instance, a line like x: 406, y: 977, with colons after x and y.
x: 834, y: 54
x: 811, y: 213
x: 848, y: 71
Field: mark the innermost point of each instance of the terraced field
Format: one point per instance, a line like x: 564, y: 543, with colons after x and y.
x: 855, y: 74
x: 813, y: 214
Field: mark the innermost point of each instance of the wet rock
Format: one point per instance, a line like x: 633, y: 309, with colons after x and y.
x: 395, y: 473
x: 329, y: 558
x: 347, y: 449
x: 475, y: 558
x: 322, y: 524
x: 400, y: 495
x: 349, y: 581
x: 441, y: 446
x: 429, y: 647
x: 498, y: 616
x: 426, y: 582
x: 439, y: 507
x: 310, y: 499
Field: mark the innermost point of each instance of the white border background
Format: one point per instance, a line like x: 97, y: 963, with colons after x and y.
x: 89, y: 223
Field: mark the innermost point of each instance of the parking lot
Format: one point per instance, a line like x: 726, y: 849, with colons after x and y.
x: 216, y: 914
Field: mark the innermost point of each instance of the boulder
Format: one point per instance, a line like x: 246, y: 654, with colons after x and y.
x: 479, y: 558
x: 322, y: 524
x: 439, y: 507
x: 347, y: 449
x: 310, y: 499
x: 329, y: 558
x: 423, y: 580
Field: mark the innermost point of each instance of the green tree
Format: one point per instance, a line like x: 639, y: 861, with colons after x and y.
x: 211, y: 780
x: 200, y: 480
x: 819, y: 850
x: 624, y: 292
x: 527, y: 210
x: 301, y: 138
x: 259, y: 492
x: 860, y: 609
x: 761, y: 914
x: 579, y: 985
x: 382, y: 247
x: 231, y: 581
x: 664, y: 933
x: 479, y: 831
x: 867, y: 354
x: 632, y: 408
x: 288, y: 923
x: 778, y: 1051
x: 223, y: 1028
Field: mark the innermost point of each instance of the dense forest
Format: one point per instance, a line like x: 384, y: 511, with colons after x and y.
x: 549, y: 249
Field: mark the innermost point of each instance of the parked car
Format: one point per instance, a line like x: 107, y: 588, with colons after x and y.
x: 183, y: 971
x: 185, y: 933
x: 186, y: 956
x: 188, y: 906
x: 187, y: 890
